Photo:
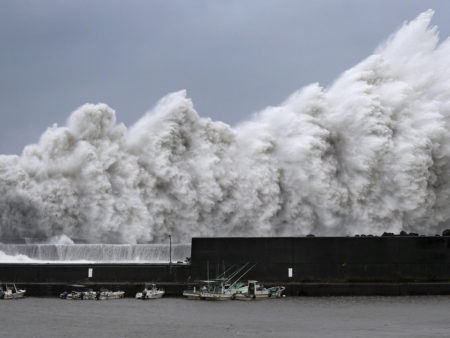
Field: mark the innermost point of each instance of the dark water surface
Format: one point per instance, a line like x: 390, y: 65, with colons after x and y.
x: 176, y: 317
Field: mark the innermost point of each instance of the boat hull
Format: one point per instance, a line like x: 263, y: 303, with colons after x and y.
x: 191, y: 295
x: 155, y: 295
x: 241, y: 296
x: 112, y: 295
x: 15, y: 295
x: 215, y: 297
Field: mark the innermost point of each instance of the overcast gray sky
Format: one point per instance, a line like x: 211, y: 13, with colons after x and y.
x: 233, y: 57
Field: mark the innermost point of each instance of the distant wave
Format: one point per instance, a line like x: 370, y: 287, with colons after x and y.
x: 369, y: 154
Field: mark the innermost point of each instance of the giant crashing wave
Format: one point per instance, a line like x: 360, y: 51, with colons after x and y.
x: 369, y: 154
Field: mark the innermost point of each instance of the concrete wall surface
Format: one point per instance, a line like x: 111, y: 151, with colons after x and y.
x: 101, y: 273
x: 326, y: 259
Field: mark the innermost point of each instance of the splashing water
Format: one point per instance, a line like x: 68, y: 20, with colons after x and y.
x: 93, y: 253
x: 369, y: 154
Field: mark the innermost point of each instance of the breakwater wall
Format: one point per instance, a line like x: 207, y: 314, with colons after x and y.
x: 93, y: 273
x: 308, y: 266
x: 51, y: 279
x: 390, y: 259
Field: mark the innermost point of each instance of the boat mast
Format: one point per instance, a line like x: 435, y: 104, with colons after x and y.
x: 236, y: 272
x: 237, y: 280
x: 225, y: 271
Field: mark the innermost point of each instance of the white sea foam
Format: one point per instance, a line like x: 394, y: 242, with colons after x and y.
x: 5, y: 258
x: 93, y: 253
x: 369, y: 154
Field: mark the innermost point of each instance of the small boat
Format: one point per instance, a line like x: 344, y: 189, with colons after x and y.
x: 11, y: 292
x: 276, y: 291
x: 107, y: 294
x: 79, y: 292
x: 150, y: 292
x: 220, y: 288
x: 217, y: 290
x: 192, y: 293
x: 254, y: 290
x: 195, y: 293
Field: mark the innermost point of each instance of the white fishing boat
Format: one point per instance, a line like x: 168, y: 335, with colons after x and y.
x: 205, y: 287
x: 150, y: 292
x: 217, y: 290
x: 11, y: 292
x: 224, y: 288
x: 107, y: 295
x: 195, y: 292
x: 253, y: 290
x: 192, y: 293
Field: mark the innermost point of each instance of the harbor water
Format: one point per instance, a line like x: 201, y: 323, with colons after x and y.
x: 425, y: 316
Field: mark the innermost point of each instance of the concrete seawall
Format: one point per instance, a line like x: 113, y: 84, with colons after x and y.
x: 52, y: 279
x: 100, y: 273
x: 328, y: 259
x: 319, y: 266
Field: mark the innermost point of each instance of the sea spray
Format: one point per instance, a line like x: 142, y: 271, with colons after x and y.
x: 95, y: 253
x: 371, y: 153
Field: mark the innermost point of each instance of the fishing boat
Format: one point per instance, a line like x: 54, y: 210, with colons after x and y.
x: 253, y: 290
x: 193, y: 293
x: 217, y: 290
x: 79, y: 292
x: 107, y: 294
x: 150, y: 292
x: 11, y: 292
x: 205, y: 286
x: 224, y: 288
x: 276, y: 291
